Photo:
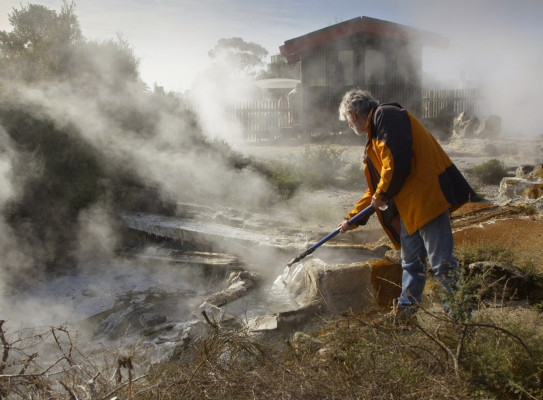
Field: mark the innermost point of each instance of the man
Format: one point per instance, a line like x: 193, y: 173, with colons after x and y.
x: 408, y: 171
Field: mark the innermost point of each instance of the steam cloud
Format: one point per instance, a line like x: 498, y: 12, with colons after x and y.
x: 493, y: 44
x: 124, y: 128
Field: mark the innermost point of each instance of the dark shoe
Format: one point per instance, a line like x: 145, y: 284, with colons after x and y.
x: 463, y: 316
x: 466, y: 315
x: 398, y: 316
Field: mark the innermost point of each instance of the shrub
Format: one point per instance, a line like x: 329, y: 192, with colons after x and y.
x: 285, y: 181
x: 280, y: 175
x: 315, y: 168
x: 319, y: 166
x: 354, y: 176
x: 490, y: 172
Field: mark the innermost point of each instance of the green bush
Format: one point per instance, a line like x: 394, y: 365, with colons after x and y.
x: 285, y: 181
x: 315, y: 168
x: 490, y: 172
x: 503, y: 356
x: 354, y: 176
x: 319, y: 166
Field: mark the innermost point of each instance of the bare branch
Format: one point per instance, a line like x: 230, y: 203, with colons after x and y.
x: 440, y: 343
x: 67, y: 357
x: 70, y: 391
x: 498, y: 328
x: 5, y: 345
x: 120, y: 387
x: 27, y: 363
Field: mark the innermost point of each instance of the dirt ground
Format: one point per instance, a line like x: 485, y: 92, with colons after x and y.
x: 517, y: 228
x: 512, y: 227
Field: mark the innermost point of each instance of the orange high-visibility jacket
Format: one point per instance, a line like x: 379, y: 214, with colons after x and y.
x: 405, y: 165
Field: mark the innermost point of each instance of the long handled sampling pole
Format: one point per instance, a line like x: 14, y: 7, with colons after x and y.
x: 365, y: 212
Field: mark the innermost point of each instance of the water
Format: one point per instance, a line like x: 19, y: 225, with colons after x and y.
x: 271, y: 297
x: 290, y: 275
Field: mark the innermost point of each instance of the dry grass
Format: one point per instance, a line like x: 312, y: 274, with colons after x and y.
x: 494, y: 356
x: 48, y: 364
x: 498, y: 354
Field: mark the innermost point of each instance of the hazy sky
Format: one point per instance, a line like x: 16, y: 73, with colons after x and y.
x: 172, y: 37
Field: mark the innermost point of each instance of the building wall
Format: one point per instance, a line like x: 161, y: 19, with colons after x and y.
x: 391, y: 69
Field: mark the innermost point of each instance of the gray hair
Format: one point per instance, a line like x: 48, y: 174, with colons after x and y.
x: 358, y: 101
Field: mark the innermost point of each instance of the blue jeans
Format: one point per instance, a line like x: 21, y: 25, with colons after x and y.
x: 435, y: 241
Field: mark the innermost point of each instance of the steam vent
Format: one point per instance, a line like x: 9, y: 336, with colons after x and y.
x: 227, y: 251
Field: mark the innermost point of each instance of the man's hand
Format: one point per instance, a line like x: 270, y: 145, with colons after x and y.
x: 344, y: 226
x: 376, y: 202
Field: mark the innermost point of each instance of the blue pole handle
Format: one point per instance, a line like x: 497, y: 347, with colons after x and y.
x: 365, y: 212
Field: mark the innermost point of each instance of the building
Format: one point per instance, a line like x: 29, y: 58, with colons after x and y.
x: 380, y: 56
x: 276, y: 88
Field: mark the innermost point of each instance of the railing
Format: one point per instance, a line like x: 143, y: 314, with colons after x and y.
x: 435, y: 102
x: 261, y: 119
x: 268, y: 119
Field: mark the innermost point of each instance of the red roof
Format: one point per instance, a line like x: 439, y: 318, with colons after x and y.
x: 292, y: 48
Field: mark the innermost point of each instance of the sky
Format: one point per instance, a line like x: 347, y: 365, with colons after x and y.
x: 490, y: 40
x: 172, y: 37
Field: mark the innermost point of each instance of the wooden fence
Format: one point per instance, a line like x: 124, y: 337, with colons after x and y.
x: 264, y: 119
x: 435, y: 102
x: 267, y: 119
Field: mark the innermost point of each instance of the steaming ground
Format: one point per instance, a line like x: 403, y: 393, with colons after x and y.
x: 97, y: 287
x: 130, y: 133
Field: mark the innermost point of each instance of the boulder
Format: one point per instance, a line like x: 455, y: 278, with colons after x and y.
x: 498, y: 282
x: 464, y: 126
x: 515, y: 188
x: 490, y: 127
x: 394, y: 256
x: 239, y: 283
x: 524, y: 171
x: 530, y: 172
x: 472, y: 127
x: 442, y: 127
x: 285, y: 320
x: 357, y: 286
x: 537, y: 172
x: 318, y: 287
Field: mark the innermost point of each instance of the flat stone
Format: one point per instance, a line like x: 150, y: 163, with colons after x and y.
x: 239, y: 284
x: 284, y: 320
x: 214, y: 314
x: 263, y: 323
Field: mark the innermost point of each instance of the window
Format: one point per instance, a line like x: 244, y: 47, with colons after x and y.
x: 374, y: 66
x: 346, y: 66
x: 316, y: 71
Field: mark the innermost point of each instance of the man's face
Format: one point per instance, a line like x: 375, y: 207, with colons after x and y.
x: 357, y: 123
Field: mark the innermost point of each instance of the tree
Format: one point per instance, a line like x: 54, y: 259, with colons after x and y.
x: 39, y: 39
x: 47, y: 45
x: 242, y: 56
x: 278, y: 68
